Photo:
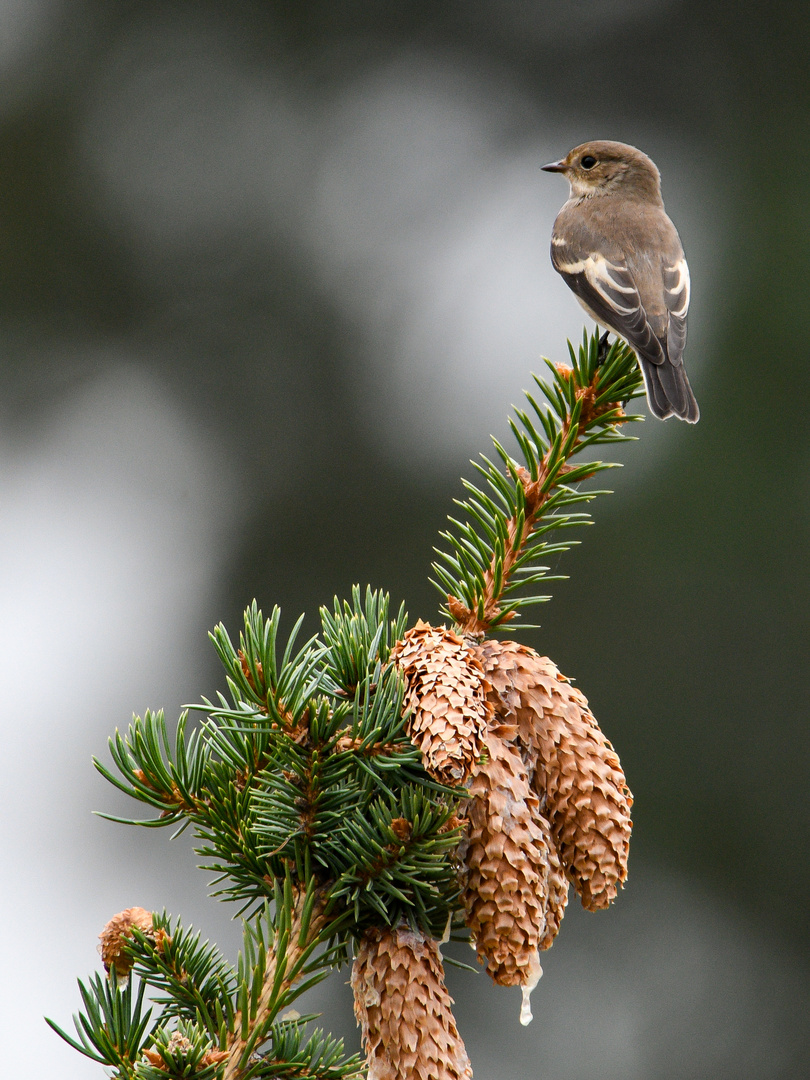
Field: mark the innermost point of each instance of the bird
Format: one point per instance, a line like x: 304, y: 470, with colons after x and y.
x: 617, y: 250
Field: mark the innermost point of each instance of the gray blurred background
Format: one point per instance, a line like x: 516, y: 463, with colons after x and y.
x: 270, y: 275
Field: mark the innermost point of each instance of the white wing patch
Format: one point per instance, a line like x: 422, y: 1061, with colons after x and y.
x: 613, y: 283
x: 676, y: 283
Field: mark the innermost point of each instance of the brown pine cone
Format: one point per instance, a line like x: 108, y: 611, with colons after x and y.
x: 576, y: 772
x: 115, y: 935
x: 404, y: 1010
x: 514, y: 890
x: 446, y: 691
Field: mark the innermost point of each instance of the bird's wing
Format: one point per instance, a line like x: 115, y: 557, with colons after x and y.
x: 676, y: 298
x: 607, y: 289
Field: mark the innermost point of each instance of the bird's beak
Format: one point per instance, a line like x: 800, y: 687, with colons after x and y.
x: 555, y: 166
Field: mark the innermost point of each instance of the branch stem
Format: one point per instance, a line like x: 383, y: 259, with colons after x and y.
x: 273, y: 991
x: 536, y: 494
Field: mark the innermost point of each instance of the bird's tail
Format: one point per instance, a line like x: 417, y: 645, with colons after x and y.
x: 668, y: 391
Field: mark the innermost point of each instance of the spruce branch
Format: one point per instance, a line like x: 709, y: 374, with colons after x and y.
x: 113, y: 1026
x: 169, y: 779
x: 370, y: 788
x: 269, y: 969
x: 281, y: 690
x: 215, y: 1021
x: 495, y: 553
x: 182, y: 1050
x: 189, y: 978
x: 358, y: 639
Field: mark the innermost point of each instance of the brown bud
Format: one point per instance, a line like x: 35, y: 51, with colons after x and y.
x: 180, y: 1046
x: 402, y: 829
x: 515, y: 891
x: 576, y: 772
x: 115, y: 934
x: 404, y: 1010
x: 446, y: 691
x: 243, y: 662
x: 214, y: 1057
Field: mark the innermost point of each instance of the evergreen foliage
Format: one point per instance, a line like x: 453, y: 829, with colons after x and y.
x: 495, y: 554
x: 307, y: 799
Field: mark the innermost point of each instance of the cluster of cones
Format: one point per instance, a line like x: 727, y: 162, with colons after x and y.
x: 548, y: 806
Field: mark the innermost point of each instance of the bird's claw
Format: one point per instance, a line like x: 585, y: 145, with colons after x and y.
x: 603, y: 350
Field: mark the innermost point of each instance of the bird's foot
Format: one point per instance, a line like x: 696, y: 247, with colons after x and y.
x: 603, y: 350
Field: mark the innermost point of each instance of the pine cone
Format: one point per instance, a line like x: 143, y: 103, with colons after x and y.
x: 446, y: 691
x: 515, y: 891
x: 115, y: 935
x: 404, y: 1010
x: 576, y: 772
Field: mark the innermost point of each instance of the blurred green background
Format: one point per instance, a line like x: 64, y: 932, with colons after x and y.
x: 270, y: 275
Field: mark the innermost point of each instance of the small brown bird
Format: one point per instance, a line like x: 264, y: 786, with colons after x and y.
x: 621, y: 255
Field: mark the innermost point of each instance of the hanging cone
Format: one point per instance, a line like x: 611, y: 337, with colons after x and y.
x: 404, y: 1010
x: 446, y: 691
x: 576, y: 772
x: 514, y: 891
x: 116, y: 934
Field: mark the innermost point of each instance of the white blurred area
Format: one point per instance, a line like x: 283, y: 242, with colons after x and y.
x: 413, y: 191
x: 110, y: 539
x: 430, y: 219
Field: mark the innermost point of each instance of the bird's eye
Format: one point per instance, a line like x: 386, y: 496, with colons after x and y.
x: 588, y: 161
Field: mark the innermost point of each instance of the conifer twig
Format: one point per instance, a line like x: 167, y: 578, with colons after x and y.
x: 349, y: 795
x: 285, y: 960
x: 495, y: 552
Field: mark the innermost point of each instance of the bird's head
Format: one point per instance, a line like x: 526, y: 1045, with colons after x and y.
x: 602, y: 168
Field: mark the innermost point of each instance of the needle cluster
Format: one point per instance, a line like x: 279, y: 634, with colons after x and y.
x: 362, y: 794
x: 495, y: 555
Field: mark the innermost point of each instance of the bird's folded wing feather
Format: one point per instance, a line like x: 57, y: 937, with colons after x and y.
x: 676, y: 298
x: 606, y: 287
